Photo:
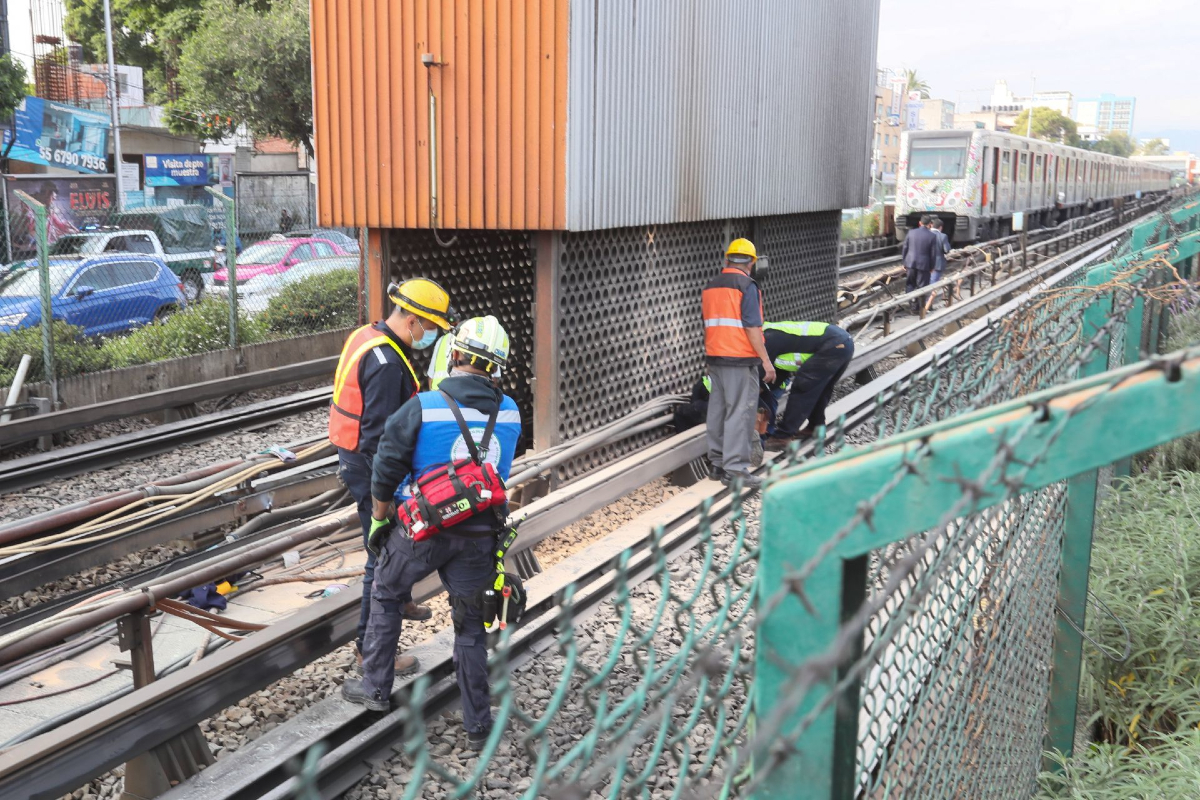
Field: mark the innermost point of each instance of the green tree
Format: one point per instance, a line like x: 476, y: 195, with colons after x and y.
x: 13, y: 82
x: 1116, y: 143
x: 146, y: 34
x: 250, y: 63
x: 913, y: 83
x: 1154, y: 147
x: 1048, y: 125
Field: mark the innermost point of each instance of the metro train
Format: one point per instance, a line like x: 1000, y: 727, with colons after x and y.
x: 975, y: 180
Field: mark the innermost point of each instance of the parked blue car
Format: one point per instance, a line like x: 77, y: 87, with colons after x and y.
x: 101, y: 294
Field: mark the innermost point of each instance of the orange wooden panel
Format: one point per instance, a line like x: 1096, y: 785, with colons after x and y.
x: 421, y: 83
x: 504, y: 128
x: 321, y: 115
x: 501, y: 102
x: 474, y: 176
x: 561, y: 35
x: 491, y: 121
x: 545, y: 56
x: 370, y: 110
x: 343, y: 148
x: 520, y: 101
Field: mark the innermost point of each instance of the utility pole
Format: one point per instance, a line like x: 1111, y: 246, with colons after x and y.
x: 112, y: 100
x: 1032, y: 104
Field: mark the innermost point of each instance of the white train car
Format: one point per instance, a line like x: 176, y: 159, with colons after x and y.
x: 975, y: 180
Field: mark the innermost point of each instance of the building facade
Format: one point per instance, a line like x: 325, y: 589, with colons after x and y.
x: 577, y: 169
x: 1099, y: 116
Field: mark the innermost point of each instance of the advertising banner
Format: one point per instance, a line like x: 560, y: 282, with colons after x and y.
x: 71, y: 203
x: 59, y: 135
x: 177, y: 169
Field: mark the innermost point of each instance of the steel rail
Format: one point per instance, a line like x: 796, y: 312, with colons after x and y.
x: 69, y: 419
x: 111, y: 735
x: 21, y: 473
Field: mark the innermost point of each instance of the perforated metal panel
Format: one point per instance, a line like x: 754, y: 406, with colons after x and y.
x: 629, y: 307
x: 803, y: 253
x: 485, y: 272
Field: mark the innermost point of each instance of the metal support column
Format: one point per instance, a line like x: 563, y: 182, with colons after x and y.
x: 154, y: 772
x: 546, y: 374
x: 375, y: 266
x: 1076, y: 556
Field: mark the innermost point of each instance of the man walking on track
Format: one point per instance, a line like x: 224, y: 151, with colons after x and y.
x: 733, y: 347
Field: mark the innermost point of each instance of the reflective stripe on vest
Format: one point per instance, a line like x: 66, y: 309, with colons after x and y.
x: 345, y: 411
x: 440, y: 441
x: 791, y: 362
x: 724, y: 333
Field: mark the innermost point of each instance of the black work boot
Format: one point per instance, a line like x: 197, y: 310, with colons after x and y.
x: 353, y: 691
x: 478, y: 739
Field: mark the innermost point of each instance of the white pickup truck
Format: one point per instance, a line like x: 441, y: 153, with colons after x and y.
x: 190, y: 266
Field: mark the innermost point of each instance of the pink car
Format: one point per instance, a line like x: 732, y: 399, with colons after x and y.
x: 274, y: 256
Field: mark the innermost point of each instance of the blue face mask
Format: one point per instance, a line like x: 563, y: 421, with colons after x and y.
x: 427, y: 339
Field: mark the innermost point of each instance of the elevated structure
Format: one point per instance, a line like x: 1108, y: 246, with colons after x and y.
x: 594, y: 158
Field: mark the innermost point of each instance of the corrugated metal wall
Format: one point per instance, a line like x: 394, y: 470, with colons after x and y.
x: 501, y: 97
x: 685, y: 110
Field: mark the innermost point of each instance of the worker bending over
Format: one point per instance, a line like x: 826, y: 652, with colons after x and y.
x: 816, y: 354
x: 420, y: 440
x: 374, y: 377
x: 734, y: 351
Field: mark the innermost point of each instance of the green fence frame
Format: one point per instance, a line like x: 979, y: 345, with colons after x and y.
x: 1104, y: 417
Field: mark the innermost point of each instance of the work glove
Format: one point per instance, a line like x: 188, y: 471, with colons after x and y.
x: 380, y: 528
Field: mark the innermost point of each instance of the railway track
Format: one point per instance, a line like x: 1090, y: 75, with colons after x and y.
x: 57, y: 762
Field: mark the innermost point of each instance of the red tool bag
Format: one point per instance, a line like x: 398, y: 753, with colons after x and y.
x: 447, y: 495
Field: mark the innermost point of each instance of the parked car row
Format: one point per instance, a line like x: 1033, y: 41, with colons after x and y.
x: 102, y: 295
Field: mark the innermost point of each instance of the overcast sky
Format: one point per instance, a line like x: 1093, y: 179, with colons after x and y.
x: 1143, y: 48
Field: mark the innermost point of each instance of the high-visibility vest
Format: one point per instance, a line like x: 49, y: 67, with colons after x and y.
x: 439, y: 362
x: 724, y: 334
x: 791, y: 362
x: 345, y: 411
x: 440, y: 440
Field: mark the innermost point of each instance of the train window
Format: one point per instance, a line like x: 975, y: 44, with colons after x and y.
x: 1006, y: 165
x: 943, y: 157
x: 1023, y: 172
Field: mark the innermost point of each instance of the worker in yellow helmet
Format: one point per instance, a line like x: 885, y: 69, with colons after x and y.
x: 732, y: 306
x: 374, y: 377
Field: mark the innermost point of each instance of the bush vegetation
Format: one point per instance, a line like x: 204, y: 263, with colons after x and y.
x: 1145, y: 721
x: 317, y: 303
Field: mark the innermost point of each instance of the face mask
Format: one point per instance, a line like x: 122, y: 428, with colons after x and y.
x: 426, y: 339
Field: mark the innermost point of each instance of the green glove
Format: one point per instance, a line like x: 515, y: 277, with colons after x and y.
x: 378, y: 534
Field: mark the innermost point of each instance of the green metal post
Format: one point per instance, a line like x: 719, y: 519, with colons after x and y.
x: 1076, y: 557
x: 231, y: 237
x: 43, y: 255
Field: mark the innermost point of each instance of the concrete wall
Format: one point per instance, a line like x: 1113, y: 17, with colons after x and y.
x: 83, y: 390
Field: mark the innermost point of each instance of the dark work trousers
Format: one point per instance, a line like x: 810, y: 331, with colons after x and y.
x: 813, y: 385
x: 355, y: 471
x: 464, y: 565
x: 915, y: 279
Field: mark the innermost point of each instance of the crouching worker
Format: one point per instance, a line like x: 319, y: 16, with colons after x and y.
x: 449, y: 446
x: 817, y: 354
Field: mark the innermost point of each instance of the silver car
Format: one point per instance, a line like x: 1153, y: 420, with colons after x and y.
x: 255, y: 293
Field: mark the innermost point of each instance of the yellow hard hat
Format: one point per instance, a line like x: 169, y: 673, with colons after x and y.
x: 424, y: 298
x: 741, y: 247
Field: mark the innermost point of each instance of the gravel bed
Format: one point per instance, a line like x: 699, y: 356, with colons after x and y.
x: 263, y: 711
x: 131, y: 474
x: 509, y: 772
x: 105, y: 429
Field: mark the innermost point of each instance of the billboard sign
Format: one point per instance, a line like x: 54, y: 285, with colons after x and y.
x: 177, y: 169
x: 59, y: 135
x: 914, y: 115
x: 71, y: 204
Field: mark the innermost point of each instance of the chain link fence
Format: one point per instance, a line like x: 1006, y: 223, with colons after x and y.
x: 89, y: 287
x: 905, y: 620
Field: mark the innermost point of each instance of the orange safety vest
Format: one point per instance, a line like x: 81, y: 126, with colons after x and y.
x: 724, y: 334
x: 345, y: 412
